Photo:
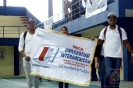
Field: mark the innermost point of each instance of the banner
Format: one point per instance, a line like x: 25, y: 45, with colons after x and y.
x: 94, y: 7
x: 60, y: 57
x: 48, y: 23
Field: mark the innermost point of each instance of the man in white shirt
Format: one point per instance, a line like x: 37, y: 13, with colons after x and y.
x: 112, y: 48
x: 25, y: 46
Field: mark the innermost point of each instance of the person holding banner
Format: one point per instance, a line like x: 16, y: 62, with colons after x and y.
x: 114, y: 37
x: 100, y: 65
x: 63, y: 30
x: 25, y: 46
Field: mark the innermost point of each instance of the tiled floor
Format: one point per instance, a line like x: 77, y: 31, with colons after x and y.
x: 21, y: 83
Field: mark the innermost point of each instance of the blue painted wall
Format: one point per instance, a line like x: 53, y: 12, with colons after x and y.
x: 125, y: 4
x: 128, y: 66
x: 13, y: 11
x: 9, y: 41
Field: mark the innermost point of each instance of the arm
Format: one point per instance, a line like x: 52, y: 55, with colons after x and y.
x: 99, y: 44
x: 96, y: 62
x: 128, y: 46
x: 22, y: 52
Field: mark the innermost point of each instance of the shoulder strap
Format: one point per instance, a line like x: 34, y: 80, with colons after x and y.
x: 24, y: 36
x: 105, y: 30
x: 120, y: 32
x: 25, y: 33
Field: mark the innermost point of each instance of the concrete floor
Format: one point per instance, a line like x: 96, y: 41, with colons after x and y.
x: 20, y: 82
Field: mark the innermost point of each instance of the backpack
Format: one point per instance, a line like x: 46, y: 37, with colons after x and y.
x: 24, y: 36
x: 119, y: 30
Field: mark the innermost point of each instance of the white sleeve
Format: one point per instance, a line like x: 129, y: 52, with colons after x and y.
x: 21, y: 42
x: 102, y: 37
x: 124, y: 35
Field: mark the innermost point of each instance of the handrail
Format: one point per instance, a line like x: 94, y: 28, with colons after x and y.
x: 11, y: 31
x: 75, y: 12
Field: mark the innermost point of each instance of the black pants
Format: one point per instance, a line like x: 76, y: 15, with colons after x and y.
x: 102, y: 70
x: 61, y: 85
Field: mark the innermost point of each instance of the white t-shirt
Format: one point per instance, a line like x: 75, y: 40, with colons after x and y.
x: 113, y: 42
x: 102, y: 50
x: 28, y: 45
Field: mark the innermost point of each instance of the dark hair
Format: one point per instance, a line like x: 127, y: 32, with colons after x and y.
x: 65, y: 28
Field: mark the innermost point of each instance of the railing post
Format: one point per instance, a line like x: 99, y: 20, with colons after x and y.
x: 3, y: 31
x: 71, y: 12
x: 18, y: 31
x: 58, y: 19
x: 79, y: 9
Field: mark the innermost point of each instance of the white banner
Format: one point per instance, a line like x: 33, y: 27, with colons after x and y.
x: 94, y: 7
x: 48, y: 23
x: 61, y: 57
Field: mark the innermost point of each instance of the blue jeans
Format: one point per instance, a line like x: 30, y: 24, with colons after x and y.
x: 101, y: 70
x: 111, y: 63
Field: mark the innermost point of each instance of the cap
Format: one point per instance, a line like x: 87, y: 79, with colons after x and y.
x: 112, y: 14
x: 31, y: 20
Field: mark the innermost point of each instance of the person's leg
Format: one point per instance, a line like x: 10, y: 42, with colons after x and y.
x: 77, y: 12
x: 66, y: 85
x: 117, y: 68
x: 29, y: 81
x: 99, y: 73
x: 70, y: 16
x: 108, y: 66
x: 98, y: 77
x: 48, y: 80
x: 73, y: 12
x: 102, y: 70
x: 35, y: 82
x: 60, y: 84
x: 40, y: 79
x: 66, y: 18
x: 93, y: 72
x: 27, y: 71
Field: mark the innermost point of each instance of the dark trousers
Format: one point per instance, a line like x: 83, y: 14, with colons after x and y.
x: 61, y: 85
x: 110, y: 64
x: 101, y: 70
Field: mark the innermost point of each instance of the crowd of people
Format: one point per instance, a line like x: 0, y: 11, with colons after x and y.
x: 73, y: 9
x: 107, y: 54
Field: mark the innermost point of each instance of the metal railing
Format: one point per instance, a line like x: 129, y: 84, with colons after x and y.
x: 76, y: 10
x: 11, y: 31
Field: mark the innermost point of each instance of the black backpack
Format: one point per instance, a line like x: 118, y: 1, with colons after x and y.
x: 24, y: 36
x: 119, y: 30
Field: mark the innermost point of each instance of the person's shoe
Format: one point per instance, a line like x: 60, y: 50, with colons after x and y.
x: 40, y: 80
x: 48, y: 81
